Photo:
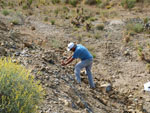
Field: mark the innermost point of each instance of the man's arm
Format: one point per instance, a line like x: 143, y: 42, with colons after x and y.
x: 69, y: 60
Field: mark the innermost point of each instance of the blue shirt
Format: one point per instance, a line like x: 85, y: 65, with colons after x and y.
x: 82, y: 53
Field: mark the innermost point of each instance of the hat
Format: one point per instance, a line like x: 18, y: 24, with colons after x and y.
x: 70, y: 46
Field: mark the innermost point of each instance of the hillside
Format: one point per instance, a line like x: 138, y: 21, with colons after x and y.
x: 36, y: 35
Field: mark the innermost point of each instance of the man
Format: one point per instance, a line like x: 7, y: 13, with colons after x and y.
x: 86, y: 61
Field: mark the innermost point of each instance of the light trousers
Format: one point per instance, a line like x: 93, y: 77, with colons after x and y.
x: 87, y: 64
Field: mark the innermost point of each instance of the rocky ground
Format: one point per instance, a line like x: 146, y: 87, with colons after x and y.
x: 41, y: 46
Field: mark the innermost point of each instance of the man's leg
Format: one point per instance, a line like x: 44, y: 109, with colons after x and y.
x: 89, y: 74
x: 77, y: 70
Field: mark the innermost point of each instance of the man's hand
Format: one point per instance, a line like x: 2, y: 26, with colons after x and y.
x: 63, y: 63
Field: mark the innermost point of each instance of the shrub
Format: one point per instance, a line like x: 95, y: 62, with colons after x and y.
x: 55, y: 1
x: 46, y: 19
x: 146, y: 20
x: 97, y: 36
x: 5, y: 12
x: 104, y: 3
x: 128, y: 3
x: 30, y: 2
x: 56, y: 43
x: 135, y: 27
x: 100, y: 27
x: 19, y: 93
x: 56, y: 11
x: 65, y: 1
x: 15, y: 22
x: 98, y: 1
x: 73, y: 2
x: 52, y: 22
x: 90, y: 2
x: 24, y: 7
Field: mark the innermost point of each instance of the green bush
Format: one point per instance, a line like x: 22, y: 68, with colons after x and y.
x: 90, y: 2
x: 73, y: 2
x: 128, y: 3
x: 52, y: 22
x: 138, y: 28
x: 5, y: 12
x: 146, y: 20
x: 15, y: 22
x: 19, y: 93
x: 30, y: 2
x: 55, y: 1
x: 100, y: 27
x: 24, y: 7
x: 98, y: 1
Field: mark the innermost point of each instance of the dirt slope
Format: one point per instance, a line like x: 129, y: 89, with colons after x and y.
x: 40, y: 46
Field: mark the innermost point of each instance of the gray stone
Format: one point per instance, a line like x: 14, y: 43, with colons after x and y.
x: 106, y: 87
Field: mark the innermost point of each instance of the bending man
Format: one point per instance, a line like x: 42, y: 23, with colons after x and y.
x: 82, y: 53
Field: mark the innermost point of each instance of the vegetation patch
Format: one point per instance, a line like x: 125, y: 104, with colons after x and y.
x: 55, y: 1
x: 52, y: 22
x: 138, y: 27
x: 19, y: 93
x: 5, y: 12
x: 100, y: 27
x: 15, y: 22
x: 73, y: 2
x: 128, y: 3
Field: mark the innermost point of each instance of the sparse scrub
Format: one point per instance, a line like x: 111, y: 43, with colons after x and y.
x: 140, y: 53
x: 42, y: 1
x: 65, y: 9
x: 55, y: 1
x: 91, y: 48
x: 112, y: 14
x: 104, y: 13
x: 5, y: 12
x: 92, y: 19
x: 46, y: 19
x: 24, y: 7
x: 19, y: 93
x: 73, y: 2
x: 56, y: 11
x: 90, y: 2
x: 128, y: 3
x: 104, y: 3
x: 65, y: 1
x: 138, y: 28
x: 3, y: 4
x: 11, y: 4
x: 56, y: 43
x: 52, y: 22
x: 126, y: 37
x: 97, y: 36
x: 98, y: 2
x: 29, y: 3
x: 146, y: 20
x: 79, y: 38
x: 15, y: 22
x: 100, y: 27
x: 148, y: 45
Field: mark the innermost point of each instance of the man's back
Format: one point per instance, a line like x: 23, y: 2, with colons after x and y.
x: 82, y: 53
